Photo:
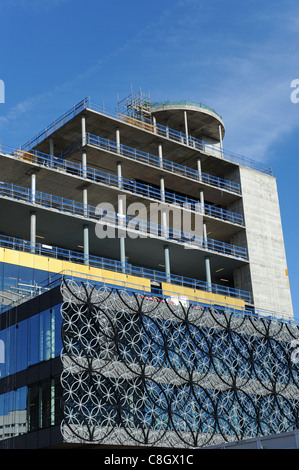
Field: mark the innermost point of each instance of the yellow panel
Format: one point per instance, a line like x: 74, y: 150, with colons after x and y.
x: 202, y: 296
x: 26, y: 259
x: 11, y: 256
x: 41, y: 262
x: 55, y: 265
x: 44, y: 263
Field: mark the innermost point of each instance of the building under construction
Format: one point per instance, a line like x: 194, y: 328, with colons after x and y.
x: 144, y: 284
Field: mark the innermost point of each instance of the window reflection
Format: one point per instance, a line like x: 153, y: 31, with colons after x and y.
x: 31, y: 341
x: 30, y: 408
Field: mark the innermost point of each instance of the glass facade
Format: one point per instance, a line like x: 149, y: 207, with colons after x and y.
x: 30, y: 341
x: 24, y: 344
x: 143, y: 370
x: 30, y: 408
x: 21, y: 279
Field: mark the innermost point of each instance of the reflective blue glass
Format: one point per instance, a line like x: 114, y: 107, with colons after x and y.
x: 31, y: 341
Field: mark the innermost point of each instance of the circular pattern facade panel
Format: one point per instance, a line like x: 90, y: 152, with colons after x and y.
x: 139, y: 370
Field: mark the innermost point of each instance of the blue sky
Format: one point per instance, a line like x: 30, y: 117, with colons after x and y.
x: 238, y: 57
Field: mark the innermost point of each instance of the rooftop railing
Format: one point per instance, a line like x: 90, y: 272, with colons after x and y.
x: 142, y: 189
x: 144, y: 227
x: 116, y: 266
x: 147, y: 125
x: 160, y: 104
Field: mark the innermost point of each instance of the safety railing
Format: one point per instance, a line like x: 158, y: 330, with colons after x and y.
x: 147, y: 228
x: 168, y: 165
x: 142, y: 189
x: 117, y: 266
x: 160, y: 104
x: 147, y: 125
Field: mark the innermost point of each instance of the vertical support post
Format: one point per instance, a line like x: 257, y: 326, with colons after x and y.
x: 86, y: 244
x: 164, y: 231
x: 33, y: 187
x: 85, y: 201
x: 186, y: 127
x: 208, y: 274
x: 167, y: 128
x: 119, y: 175
x: 162, y: 188
x: 84, y: 164
x: 202, y: 201
x: 205, y: 235
x: 220, y: 137
x: 51, y: 147
x: 155, y: 124
x: 160, y: 153
x: 118, y: 140
x: 83, y: 130
x: 121, y: 233
x: 167, y: 262
x: 32, y: 231
x: 199, y: 167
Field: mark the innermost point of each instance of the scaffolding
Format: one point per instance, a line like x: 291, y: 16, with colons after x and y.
x: 137, y: 106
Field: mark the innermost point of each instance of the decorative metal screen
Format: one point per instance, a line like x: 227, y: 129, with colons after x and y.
x: 139, y: 370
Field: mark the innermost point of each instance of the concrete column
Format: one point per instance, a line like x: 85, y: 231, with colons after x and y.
x: 122, y: 250
x: 83, y: 130
x: 167, y: 262
x: 186, y: 127
x: 155, y: 124
x: 118, y: 140
x: 162, y: 188
x: 85, y: 201
x: 51, y: 147
x: 119, y: 175
x: 208, y: 274
x: 199, y: 169
x: 202, y: 201
x: 86, y: 244
x: 33, y: 231
x: 121, y: 233
x: 199, y: 166
x: 167, y: 128
x: 220, y: 136
x: 33, y: 187
x: 160, y: 153
x: 204, y: 235
x: 84, y: 164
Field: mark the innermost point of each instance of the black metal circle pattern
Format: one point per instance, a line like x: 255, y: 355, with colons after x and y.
x: 140, y: 370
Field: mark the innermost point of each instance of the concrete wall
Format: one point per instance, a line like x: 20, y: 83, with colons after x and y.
x: 268, y: 266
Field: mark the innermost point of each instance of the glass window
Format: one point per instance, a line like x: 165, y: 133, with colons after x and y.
x: 45, y: 335
x: 41, y: 277
x: 33, y: 340
x: 2, y: 352
x: 33, y: 408
x: 22, y: 345
x: 26, y: 280
x: 11, y: 276
x: 1, y: 276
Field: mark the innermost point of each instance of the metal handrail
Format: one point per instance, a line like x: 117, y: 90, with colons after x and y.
x: 147, y: 124
x: 117, y: 266
x: 72, y: 207
x: 159, y: 104
x: 154, y: 160
x: 142, y: 189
